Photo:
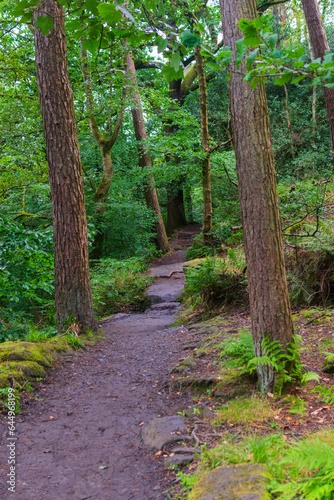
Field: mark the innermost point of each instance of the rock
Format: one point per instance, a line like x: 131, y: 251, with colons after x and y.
x: 328, y: 366
x: 195, y: 382
x: 160, y: 431
x: 184, y: 366
x: 165, y: 306
x: 232, y: 385
x: 244, y: 482
x: 179, y: 460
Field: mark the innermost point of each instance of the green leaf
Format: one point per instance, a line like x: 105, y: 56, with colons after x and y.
x: 284, y: 79
x: 251, y: 58
x: 277, y: 54
x: 252, y: 41
x: 91, y: 6
x: 272, y: 40
x: 189, y: 39
x: 298, y: 79
x: 175, y: 61
x: 162, y: 44
x: 212, y: 64
x: 91, y: 45
x: 45, y: 24
x: 109, y: 13
x: 241, y: 51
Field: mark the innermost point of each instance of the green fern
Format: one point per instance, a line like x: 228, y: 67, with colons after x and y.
x: 316, y: 460
x: 325, y: 395
x: 309, y: 376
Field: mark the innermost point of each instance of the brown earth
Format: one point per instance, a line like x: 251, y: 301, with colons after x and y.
x: 78, y: 435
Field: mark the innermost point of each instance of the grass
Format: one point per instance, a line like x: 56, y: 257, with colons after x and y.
x: 246, y: 411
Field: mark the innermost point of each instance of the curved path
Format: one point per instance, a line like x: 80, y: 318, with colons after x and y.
x: 81, y: 438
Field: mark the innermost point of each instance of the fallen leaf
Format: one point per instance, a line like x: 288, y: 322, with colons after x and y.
x: 270, y: 395
x: 103, y: 467
x: 158, y: 453
x: 141, y: 423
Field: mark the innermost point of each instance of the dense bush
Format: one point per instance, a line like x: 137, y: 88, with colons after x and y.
x: 119, y: 286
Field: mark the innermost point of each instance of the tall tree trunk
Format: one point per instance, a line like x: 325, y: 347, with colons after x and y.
x: 320, y: 46
x: 206, y: 167
x: 268, y: 291
x: 144, y: 157
x: 176, y: 216
x: 105, y: 144
x: 73, y: 296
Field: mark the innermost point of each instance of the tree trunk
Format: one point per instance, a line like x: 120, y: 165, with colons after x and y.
x: 144, y: 157
x: 73, y: 296
x: 206, y: 175
x: 268, y: 291
x: 320, y: 46
x: 176, y: 216
x: 105, y: 145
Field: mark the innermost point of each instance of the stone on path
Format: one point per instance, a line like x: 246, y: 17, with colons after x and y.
x: 161, y: 431
x: 179, y: 460
x: 244, y: 482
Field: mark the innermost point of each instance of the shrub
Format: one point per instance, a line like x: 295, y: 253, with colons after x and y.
x: 119, y: 286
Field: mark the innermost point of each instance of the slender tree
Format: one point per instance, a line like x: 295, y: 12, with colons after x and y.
x: 73, y: 297
x: 144, y: 156
x: 205, y: 138
x: 105, y: 141
x: 268, y: 291
x: 320, y: 47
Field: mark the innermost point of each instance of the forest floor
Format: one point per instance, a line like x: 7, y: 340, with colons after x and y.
x: 79, y: 432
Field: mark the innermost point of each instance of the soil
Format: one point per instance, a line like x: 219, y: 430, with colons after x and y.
x: 79, y: 432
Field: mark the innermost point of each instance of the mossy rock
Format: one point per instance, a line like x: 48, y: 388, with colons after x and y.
x: 232, y: 385
x: 244, y: 481
x: 328, y: 366
x: 184, y: 366
x: 21, y: 361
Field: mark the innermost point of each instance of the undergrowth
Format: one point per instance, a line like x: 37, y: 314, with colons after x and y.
x: 303, y: 470
x: 119, y: 286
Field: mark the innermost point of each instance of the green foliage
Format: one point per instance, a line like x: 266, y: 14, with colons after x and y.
x: 128, y: 228
x: 217, y: 281
x: 119, y: 286
x: 325, y: 395
x: 238, y: 350
x: 311, y: 471
x: 199, y: 249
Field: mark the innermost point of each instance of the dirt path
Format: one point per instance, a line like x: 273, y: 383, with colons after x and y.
x: 80, y: 438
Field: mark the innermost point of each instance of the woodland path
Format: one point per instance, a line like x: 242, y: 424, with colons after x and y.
x: 79, y: 436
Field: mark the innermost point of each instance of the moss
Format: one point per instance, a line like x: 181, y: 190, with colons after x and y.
x: 21, y: 361
x: 25, y: 351
x: 246, y: 481
x: 232, y: 384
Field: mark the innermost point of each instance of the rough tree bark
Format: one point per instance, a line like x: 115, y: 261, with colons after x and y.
x: 268, y: 292
x: 205, y: 138
x: 144, y: 156
x: 320, y: 46
x: 73, y: 297
x: 105, y: 142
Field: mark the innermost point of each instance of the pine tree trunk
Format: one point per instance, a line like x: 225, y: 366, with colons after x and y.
x: 144, y: 157
x: 320, y: 46
x: 73, y: 297
x: 206, y: 167
x: 268, y: 292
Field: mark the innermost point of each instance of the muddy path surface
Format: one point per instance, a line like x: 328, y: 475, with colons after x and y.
x: 79, y: 436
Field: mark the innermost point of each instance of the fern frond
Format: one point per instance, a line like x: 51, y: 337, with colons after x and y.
x: 308, y: 377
